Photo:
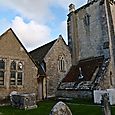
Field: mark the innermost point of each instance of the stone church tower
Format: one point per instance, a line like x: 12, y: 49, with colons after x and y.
x: 91, y: 34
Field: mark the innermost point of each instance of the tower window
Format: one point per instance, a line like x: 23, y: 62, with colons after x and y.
x: 87, y: 19
x: 106, y: 45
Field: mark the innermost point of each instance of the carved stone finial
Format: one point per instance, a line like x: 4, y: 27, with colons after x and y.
x: 90, y: 1
x: 71, y: 7
x: 60, y: 36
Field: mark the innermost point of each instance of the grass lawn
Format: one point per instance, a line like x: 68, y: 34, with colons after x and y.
x: 45, y: 107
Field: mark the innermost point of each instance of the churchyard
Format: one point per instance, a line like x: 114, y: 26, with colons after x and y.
x: 77, y: 107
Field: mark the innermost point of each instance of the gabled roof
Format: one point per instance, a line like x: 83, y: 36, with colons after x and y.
x: 88, y: 67
x: 10, y: 30
x: 39, y: 53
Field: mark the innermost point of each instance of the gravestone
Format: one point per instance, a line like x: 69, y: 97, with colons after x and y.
x: 111, y: 93
x: 23, y: 100
x: 60, y: 109
x: 105, y: 98
x: 98, y: 96
x: 105, y: 104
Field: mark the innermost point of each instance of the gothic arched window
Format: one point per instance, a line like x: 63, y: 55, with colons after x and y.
x: 13, y: 73
x: 13, y: 65
x: 20, y: 73
x: 61, y: 64
x: 16, y: 73
x: 86, y: 19
x: 20, y: 65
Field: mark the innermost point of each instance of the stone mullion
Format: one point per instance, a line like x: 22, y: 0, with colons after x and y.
x: 7, y: 73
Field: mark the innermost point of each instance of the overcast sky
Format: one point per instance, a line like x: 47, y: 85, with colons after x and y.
x: 36, y: 22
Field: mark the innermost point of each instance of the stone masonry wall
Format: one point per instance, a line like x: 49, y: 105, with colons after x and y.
x: 74, y: 93
x: 54, y: 76
x: 92, y: 35
x: 10, y: 49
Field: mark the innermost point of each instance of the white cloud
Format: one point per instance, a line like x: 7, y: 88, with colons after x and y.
x: 39, y: 13
x: 63, y: 29
x: 39, y: 10
x: 31, y: 34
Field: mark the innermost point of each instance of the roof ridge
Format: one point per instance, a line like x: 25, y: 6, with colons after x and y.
x: 39, y: 53
x: 43, y: 45
x: 6, y: 32
x: 16, y: 37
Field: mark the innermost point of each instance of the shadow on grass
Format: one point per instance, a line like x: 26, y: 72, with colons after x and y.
x: 78, y: 107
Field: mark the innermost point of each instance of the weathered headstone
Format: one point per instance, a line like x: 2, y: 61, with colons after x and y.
x: 60, y: 109
x: 111, y: 93
x: 23, y: 101
x: 12, y: 101
x: 98, y: 96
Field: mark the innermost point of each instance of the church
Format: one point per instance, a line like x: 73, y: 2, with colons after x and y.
x: 39, y: 71
x: 75, y: 70
x: 91, y: 40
